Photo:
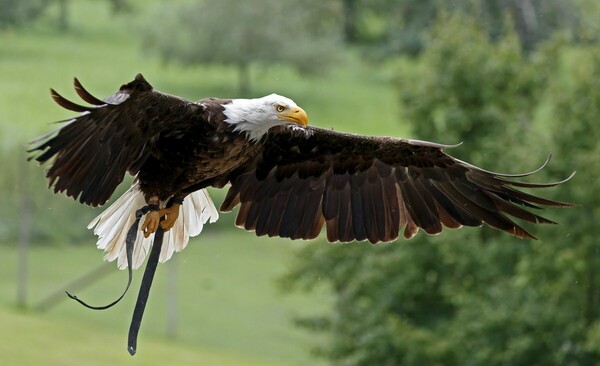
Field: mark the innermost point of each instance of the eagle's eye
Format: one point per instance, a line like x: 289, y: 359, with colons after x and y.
x: 279, y: 108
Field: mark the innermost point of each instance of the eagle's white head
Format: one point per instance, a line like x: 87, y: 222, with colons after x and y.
x: 257, y: 116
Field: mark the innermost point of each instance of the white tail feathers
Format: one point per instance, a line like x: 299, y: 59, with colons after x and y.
x: 112, y: 226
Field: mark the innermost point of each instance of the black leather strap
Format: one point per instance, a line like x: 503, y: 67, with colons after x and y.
x: 140, y: 305
x: 129, y: 242
x: 153, y: 207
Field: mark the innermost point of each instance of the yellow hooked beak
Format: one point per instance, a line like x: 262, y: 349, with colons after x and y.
x: 295, y: 115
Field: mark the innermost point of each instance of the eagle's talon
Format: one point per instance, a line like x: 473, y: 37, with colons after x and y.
x: 171, y: 214
x: 150, y: 225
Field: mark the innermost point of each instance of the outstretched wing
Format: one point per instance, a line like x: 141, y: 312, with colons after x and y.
x: 369, y: 188
x: 93, y: 151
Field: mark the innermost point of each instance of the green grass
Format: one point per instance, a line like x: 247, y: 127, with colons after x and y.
x: 230, y: 311
x: 39, y: 340
x: 227, y: 299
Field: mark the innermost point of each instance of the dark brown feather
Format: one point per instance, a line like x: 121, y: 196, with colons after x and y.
x: 67, y: 104
x: 368, y: 188
x: 85, y: 95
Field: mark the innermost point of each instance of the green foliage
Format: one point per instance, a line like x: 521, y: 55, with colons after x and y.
x: 18, y: 12
x: 575, y: 107
x: 240, y: 34
x: 473, y: 296
x: 467, y: 88
x: 388, y: 27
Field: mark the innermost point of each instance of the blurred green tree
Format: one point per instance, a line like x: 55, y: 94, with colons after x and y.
x: 242, y: 33
x: 120, y: 6
x: 388, y: 27
x: 474, y: 296
x: 574, y: 101
x: 17, y: 12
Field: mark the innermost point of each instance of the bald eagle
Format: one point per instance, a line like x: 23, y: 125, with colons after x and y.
x: 290, y: 180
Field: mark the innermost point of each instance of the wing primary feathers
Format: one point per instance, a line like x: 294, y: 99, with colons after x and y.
x: 380, y: 210
x: 491, y: 217
x: 331, y: 203
x: 416, y: 208
x: 368, y: 210
x: 432, y: 144
x: 85, y: 95
x: 391, y: 200
x: 505, y: 175
x: 47, y: 135
x: 274, y: 223
x: 539, y: 185
x: 242, y: 215
x: 312, y: 212
x: 451, y: 207
x: 526, y: 199
x: 262, y: 227
x: 344, y: 219
x: 518, y: 212
x: 433, y: 224
x: 289, y: 219
x: 357, y: 213
x: 67, y: 104
x: 253, y: 213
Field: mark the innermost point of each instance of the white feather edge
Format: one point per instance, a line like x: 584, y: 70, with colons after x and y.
x: 112, y: 225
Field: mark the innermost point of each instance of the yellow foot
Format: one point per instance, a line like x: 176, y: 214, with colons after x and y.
x: 171, y: 214
x: 150, y: 225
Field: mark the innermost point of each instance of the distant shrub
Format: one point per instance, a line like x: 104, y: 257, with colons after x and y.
x: 17, y: 12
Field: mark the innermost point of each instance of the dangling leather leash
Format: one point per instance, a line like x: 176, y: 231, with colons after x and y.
x: 129, y: 242
x: 140, y: 305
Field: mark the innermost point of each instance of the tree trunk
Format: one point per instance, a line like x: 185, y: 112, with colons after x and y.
x: 350, y: 15
x: 592, y: 286
x: 119, y: 6
x: 63, y: 15
x: 172, y: 297
x: 24, y: 236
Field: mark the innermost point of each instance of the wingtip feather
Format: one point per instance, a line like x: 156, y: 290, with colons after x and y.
x: 67, y: 104
x: 85, y: 95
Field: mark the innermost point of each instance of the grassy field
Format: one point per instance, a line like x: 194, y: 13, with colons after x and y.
x: 230, y: 310
x: 39, y: 340
x: 227, y: 300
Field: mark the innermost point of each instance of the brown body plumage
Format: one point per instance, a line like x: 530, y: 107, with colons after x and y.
x: 289, y: 182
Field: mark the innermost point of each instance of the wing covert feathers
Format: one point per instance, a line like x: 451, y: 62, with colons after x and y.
x: 368, y: 188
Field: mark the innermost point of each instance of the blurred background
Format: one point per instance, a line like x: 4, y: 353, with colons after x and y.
x: 515, y: 80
